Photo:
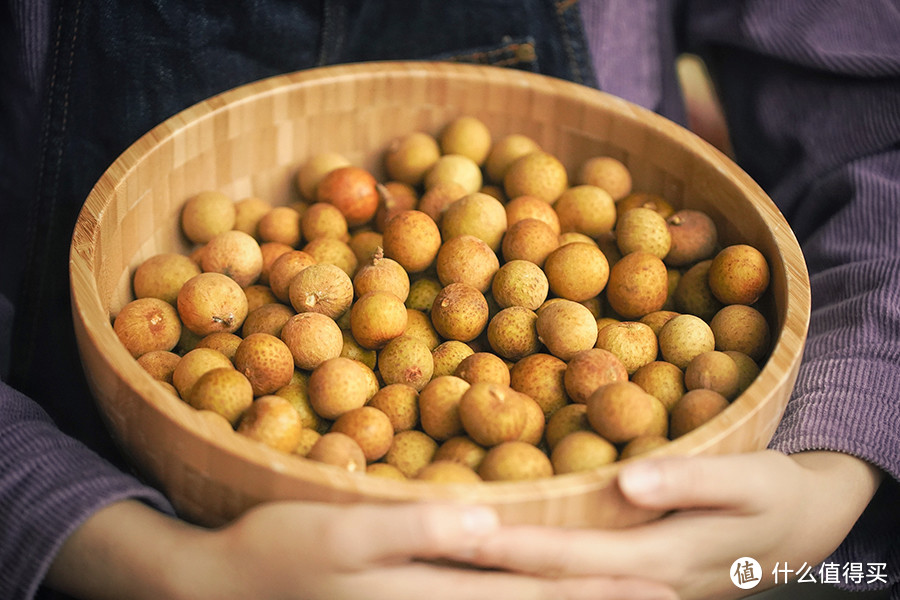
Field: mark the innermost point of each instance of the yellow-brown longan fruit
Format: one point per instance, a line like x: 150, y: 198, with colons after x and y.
x: 422, y: 293
x: 147, y: 324
x: 692, y: 293
x: 224, y: 342
x: 406, y: 359
x: 212, y: 302
x: 569, y: 418
x: 468, y: 136
x: 476, y: 214
x: 459, y: 312
x: 638, y: 284
x: 739, y: 274
x: 193, y: 365
x: 268, y: 318
x: 235, y: 254
x: 591, y: 369
x: 336, y: 386
x: 371, y: 429
x: 541, y: 376
x: 437, y: 198
x: 694, y: 409
x: 448, y: 472
x: 162, y: 275
x: 582, y: 451
x: 411, y: 451
x: 684, y: 337
x: 492, y: 413
x: 504, y: 152
x: 520, y: 283
x: 265, y: 361
x: 248, y: 212
x: 206, y: 215
x: 273, y: 421
x: 529, y: 239
x: 271, y: 251
x: 160, y: 364
x: 334, y: 252
x: 312, y: 338
x: 377, y: 318
x: 539, y: 174
x: 621, y: 411
x: 412, y: 239
x: 512, y: 333
x: 439, y: 407
x: 223, y: 391
x: 321, y: 288
x: 283, y: 271
x: 661, y: 379
x: 633, y: 342
x: 457, y: 168
x: 608, y: 173
x: 483, y: 366
x: 461, y: 449
x: 400, y: 403
x: 587, y: 209
x: 467, y: 259
x: 566, y: 328
x: 381, y: 273
x: 312, y: 171
x: 643, y: 230
x: 410, y: 156
x: 515, y: 461
x: 281, y: 224
x: 352, y: 190
x: 577, y: 271
x: 531, y: 207
x: 742, y: 328
x: 340, y: 450
x: 321, y: 219
x: 447, y: 356
x: 715, y: 371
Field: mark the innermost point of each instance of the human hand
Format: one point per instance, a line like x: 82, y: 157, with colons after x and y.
x: 765, y: 505
x: 308, y: 551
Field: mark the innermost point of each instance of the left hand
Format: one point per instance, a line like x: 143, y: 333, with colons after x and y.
x: 764, y: 505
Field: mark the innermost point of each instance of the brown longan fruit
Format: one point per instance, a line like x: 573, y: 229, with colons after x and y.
x: 483, y: 367
x: 413, y: 239
x: 461, y: 449
x: 224, y: 342
x: 577, y: 271
x: 621, y: 411
x: 321, y: 219
x: 644, y: 200
x: 160, y: 364
x: 369, y: 427
x: 352, y: 190
x: 694, y: 409
x: 283, y: 271
x: 193, y: 365
x: 212, y: 302
x: 608, y: 173
x: 408, y: 157
x: 206, y: 215
x: 661, y: 379
x: 529, y: 239
x: 248, y: 212
x: 419, y: 326
x: 268, y: 318
x: 738, y: 274
x: 638, y: 284
x: 537, y: 173
x: 504, y: 152
x: 693, y: 235
x: 224, y: 391
x: 321, y: 288
x: 297, y: 393
x: 645, y: 230
x: 336, y: 386
x: 270, y: 253
x: 713, y: 370
x: 582, y: 451
x: 365, y: 244
x: 742, y: 328
x: 459, y: 312
x: 162, y: 275
x: 587, y: 209
x: 633, y: 342
x: 531, y: 207
x: 656, y: 319
x: 395, y: 196
x: 590, y: 369
x: 476, y: 214
x: 466, y: 135
x: 235, y: 254
x: 492, y: 413
x: 406, y: 360
x: 281, y: 224
x: 692, y: 293
x: 512, y: 333
x: 381, y: 273
x: 748, y: 370
x: 569, y: 418
x: 520, y: 283
x: 535, y: 421
x: 273, y: 421
x: 566, y: 328
x: 400, y: 403
x: 422, y: 293
x: 541, y: 376
x: 147, y: 324
x: 340, y: 450
x: 376, y: 318
x: 316, y: 167
x: 683, y: 338
x: 467, y: 259
x: 265, y: 361
x: 312, y: 338
x: 457, y: 168
x: 642, y: 445
x: 448, y: 471
x: 411, y: 451
x: 439, y: 407
x: 447, y: 356
x: 334, y: 252
x: 515, y: 461
x: 437, y: 198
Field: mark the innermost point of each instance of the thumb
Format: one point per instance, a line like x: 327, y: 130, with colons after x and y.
x: 694, y: 482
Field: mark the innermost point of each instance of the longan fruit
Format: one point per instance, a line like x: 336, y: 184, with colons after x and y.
x: 621, y: 411
x: 411, y: 451
x: 422, y: 292
x: 742, y: 328
x: 457, y: 168
x: 438, y: 197
x: 270, y: 252
x: 283, y: 271
x: 476, y: 214
x: 321, y: 288
x: 537, y: 173
x: 483, y: 367
x: 268, y: 318
x: 590, y: 369
x: 412, y: 239
x: 587, y: 209
x: 520, y: 283
x: 512, y: 333
x: 224, y: 342
x: 529, y: 239
x: 369, y: 427
x: 577, y: 271
x: 448, y: 471
x: 160, y: 364
x: 713, y: 370
x: 381, y: 273
x: 633, y: 342
x: 247, y: 213
x: 504, y: 152
x: 492, y: 413
x: 738, y: 274
x: 569, y: 418
x: 408, y: 157
x: 147, y: 324
x: 645, y: 230
x: 638, y: 284
x: 193, y: 365
x: 351, y: 189
x: 162, y: 275
x: 308, y: 439
x: 515, y: 461
x: 337, y: 385
x: 566, y: 327
x: 541, y: 376
x: 224, y: 391
x: 365, y: 244
x: 531, y: 207
x: 693, y: 236
x: 334, y: 252
x: 395, y: 196
x: 206, y: 215
x: 467, y: 259
x: 322, y: 219
x: 281, y: 224
x: 406, y: 360
x: 400, y: 403
x: 447, y: 356
x: 661, y: 379
x: 461, y: 449
x: 376, y: 318
x: 272, y: 421
x: 340, y: 450
x: 459, y: 312
x: 466, y: 135
x: 212, y: 302
x: 385, y: 471
x: 608, y: 173
x: 684, y: 337
x: 694, y: 409
x: 419, y: 326
x: 582, y: 451
x: 297, y: 393
x: 312, y: 338
x: 352, y: 349
x: 439, y: 407
x: 316, y: 167
x: 235, y: 254
x: 265, y: 361
x: 748, y: 370
x: 642, y: 445
x: 692, y: 293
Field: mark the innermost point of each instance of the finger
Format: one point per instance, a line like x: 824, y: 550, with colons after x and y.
x: 372, y: 534
x: 719, y: 482
x: 437, y: 582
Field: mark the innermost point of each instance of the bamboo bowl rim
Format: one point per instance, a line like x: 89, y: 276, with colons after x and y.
x: 89, y: 308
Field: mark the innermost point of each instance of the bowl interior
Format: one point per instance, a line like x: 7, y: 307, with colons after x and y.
x: 251, y: 140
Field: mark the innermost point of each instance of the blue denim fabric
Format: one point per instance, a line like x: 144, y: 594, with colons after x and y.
x: 118, y: 68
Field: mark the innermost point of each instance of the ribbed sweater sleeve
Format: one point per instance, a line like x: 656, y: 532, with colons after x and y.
x: 49, y: 485
x: 811, y: 91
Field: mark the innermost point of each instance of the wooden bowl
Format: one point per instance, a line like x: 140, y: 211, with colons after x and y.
x: 251, y: 140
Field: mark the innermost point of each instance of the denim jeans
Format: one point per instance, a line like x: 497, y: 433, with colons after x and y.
x: 118, y: 68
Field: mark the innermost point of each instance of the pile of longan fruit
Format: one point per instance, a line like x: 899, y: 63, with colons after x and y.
x: 478, y: 314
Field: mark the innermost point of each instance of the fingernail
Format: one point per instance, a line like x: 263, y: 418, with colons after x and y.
x: 640, y: 479
x: 479, y: 520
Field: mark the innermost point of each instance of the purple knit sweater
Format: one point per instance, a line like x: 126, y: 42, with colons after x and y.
x: 811, y: 91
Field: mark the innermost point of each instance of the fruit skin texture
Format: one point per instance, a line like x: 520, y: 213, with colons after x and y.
x: 538, y: 174
x: 622, y: 410
x: 224, y: 391
x: 147, y: 324
x: 162, y: 275
x: 459, y: 312
x: 739, y: 274
x: 491, y: 413
x: 212, y: 302
x: 566, y: 327
x: 377, y: 318
x: 352, y: 190
x: 412, y: 239
x: 265, y: 361
x: 515, y: 461
x: 638, y: 284
x: 312, y: 338
x: 337, y: 386
x: 273, y: 421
